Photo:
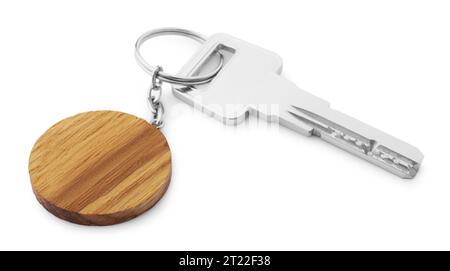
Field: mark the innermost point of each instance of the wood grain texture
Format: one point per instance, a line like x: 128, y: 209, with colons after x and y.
x: 100, y: 167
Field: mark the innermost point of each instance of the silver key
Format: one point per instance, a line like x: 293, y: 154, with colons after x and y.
x: 250, y: 83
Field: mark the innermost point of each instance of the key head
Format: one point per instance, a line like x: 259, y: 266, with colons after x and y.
x: 234, y: 92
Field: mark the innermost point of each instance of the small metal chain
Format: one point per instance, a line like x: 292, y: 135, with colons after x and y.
x: 158, y: 75
x: 154, y: 99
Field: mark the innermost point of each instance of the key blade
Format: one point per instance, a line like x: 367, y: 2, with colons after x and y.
x: 362, y: 140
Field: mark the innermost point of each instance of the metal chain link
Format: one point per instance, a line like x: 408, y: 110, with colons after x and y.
x: 154, y: 99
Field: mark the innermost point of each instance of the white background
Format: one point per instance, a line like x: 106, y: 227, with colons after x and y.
x: 250, y: 187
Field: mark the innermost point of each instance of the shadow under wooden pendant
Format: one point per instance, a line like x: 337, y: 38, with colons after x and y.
x: 100, y: 167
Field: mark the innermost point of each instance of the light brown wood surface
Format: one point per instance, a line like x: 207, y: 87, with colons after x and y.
x: 100, y: 167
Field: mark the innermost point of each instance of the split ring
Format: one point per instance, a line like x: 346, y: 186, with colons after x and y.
x: 165, y: 77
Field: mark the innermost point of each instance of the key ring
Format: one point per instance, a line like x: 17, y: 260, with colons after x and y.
x: 165, y: 77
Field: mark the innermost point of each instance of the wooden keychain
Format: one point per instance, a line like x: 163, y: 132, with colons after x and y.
x: 106, y: 167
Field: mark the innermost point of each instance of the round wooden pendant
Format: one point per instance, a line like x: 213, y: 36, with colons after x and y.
x: 100, y: 167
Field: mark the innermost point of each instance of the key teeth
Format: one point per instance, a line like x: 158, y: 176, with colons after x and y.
x: 324, y: 127
x: 406, y: 166
x: 366, y: 147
